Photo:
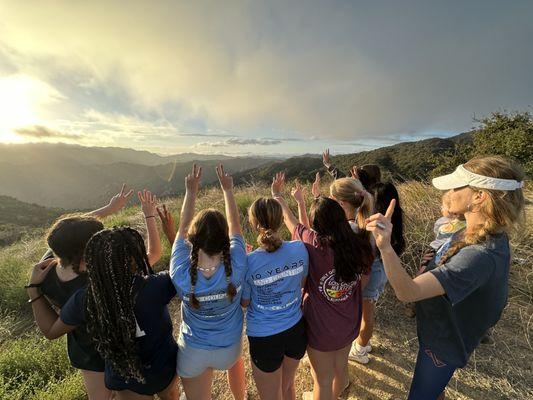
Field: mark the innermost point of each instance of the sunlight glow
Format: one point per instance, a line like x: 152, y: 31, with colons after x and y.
x: 20, y: 99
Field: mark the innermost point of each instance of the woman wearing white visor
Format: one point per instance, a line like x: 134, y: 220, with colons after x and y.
x: 465, y: 287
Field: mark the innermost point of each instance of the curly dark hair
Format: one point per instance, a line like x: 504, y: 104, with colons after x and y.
x: 209, y: 231
x: 352, y: 251
x: 114, y: 258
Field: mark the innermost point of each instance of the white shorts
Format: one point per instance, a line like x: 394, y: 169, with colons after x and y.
x: 193, y: 361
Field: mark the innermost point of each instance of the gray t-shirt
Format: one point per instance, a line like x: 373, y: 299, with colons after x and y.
x: 475, y: 280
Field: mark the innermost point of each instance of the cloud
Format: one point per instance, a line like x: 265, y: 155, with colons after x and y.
x: 235, y: 141
x: 42, y: 132
x: 327, y: 69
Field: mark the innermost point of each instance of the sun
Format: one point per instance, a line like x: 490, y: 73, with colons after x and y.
x: 20, y: 99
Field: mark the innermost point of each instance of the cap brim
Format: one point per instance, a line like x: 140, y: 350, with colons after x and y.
x: 450, y: 181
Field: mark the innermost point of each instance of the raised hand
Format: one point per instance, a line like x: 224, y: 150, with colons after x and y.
x: 315, y: 189
x: 381, y: 227
x: 148, y: 201
x: 353, y: 172
x: 40, y: 270
x: 167, y: 222
x: 225, y: 179
x: 119, y: 200
x: 298, y: 192
x: 192, y: 180
x: 278, y: 183
x: 325, y: 159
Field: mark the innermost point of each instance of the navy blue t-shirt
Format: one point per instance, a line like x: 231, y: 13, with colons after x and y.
x: 475, y: 280
x: 156, y: 345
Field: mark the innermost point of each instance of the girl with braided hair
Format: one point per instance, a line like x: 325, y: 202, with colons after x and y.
x: 66, y: 240
x: 124, y: 309
x: 464, y: 289
x: 207, y: 267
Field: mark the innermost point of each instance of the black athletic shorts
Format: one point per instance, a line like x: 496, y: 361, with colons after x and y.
x: 267, y: 352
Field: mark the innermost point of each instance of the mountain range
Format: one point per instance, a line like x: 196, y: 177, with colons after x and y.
x: 77, y: 177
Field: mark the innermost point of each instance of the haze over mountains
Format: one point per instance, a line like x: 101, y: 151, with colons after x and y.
x: 76, y: 177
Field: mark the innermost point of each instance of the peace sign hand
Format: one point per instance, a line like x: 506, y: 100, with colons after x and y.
x: 119, y: 200
x: 325, y: 159
x: 225, y: 179
x: 192, y: 180
x: 381, y: 227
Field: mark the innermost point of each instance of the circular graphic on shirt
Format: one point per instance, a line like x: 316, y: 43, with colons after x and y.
x: 335, y: 291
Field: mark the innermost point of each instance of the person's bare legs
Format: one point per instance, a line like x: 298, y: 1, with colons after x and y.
x: 323, y: 370
x: 289, y: 367
x: 342, y: 378
x: 129, y: 395
x: 237, y: 380
x: 199, y: 387
x: 268, y: 383
x: 95, y: 386
x: 172, y: 391
x: 367, y: 322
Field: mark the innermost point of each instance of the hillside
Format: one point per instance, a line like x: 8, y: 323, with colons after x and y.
x: 17, y: 218
x: 67, y: 183
x: 408, y: 160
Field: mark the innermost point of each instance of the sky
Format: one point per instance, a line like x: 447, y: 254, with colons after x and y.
x: 256, y: 77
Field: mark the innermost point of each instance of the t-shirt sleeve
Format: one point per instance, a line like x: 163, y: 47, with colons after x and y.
x: 73, y: 312
x: 238, y: 252
x: 304, y: 234
x: 466, y: 271
x: 161, y: 288
x: 180, y: 255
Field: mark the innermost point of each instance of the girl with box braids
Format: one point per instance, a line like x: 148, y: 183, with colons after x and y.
x: 114, y: 258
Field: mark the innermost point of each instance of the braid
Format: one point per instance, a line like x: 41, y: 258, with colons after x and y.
x: 110, y: 297
x: 479, y: 236
x: 226, y: 256
x: 194, y: 276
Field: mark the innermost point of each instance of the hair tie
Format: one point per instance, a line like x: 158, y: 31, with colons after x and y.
x: 363, y: 192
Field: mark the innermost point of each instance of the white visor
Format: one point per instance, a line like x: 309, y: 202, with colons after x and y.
x: 463, y: 177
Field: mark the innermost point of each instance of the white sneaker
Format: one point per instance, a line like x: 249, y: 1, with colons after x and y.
x: 359, y: 353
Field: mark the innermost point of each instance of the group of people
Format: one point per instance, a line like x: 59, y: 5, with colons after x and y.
x: 314, y: 294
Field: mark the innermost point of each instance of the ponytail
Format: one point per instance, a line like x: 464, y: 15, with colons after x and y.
x: 193, y: 272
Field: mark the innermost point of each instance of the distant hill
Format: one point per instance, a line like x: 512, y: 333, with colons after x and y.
x: 59, y: 179
x: 408, y: 160
x: 32, y: 153
x: 17, y: 217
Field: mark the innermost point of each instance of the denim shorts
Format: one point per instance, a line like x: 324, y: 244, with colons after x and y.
x: 376, y: 285
x: 193, y: 361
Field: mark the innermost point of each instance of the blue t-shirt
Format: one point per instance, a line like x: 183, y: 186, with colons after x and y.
x: 274, y: 286
x: 156, y: 346
x: 218, y: 322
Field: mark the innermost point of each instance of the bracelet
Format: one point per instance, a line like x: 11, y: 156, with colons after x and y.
x: 32, y: 285
x: 149, y: 216
x: 35, y: 299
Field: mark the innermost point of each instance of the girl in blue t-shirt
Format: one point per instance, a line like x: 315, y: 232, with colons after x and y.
x: 273, y: 293
x: 207, y: 268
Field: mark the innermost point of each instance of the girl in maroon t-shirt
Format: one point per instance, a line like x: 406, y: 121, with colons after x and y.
x: 332, y: 294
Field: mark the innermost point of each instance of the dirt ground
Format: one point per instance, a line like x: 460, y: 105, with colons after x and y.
x: 503, y: 370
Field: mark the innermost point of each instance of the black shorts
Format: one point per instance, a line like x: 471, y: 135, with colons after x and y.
x: 267, y: 352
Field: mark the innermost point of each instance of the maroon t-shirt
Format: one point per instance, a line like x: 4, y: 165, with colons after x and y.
x: 332, y: 310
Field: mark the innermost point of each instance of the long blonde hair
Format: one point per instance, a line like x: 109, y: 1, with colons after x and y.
x: 351, y: 191
x: 502, y: 210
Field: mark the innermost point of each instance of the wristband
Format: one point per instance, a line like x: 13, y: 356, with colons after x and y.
x: 35, y: 299
x: 32, y: 285
x: 149, y: 216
